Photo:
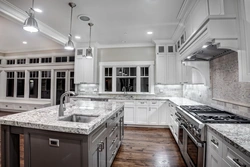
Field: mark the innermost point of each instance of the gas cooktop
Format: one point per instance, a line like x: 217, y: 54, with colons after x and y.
x: 208, y: 114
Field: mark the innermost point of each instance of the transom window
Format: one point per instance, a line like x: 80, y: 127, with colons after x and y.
x: 119, y: 77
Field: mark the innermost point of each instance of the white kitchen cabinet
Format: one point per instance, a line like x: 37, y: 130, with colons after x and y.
x: 163, y: 114
x: 141, y: 115
x: 84, y: 68
x: 153, y: 116
x: 129, y: 115
x: 161, y: 49
x: 166, y: 69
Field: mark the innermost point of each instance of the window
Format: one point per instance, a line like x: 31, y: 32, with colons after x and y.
x: 21, y: 61
x: 144, y: 79
x: 46, y: 60
x: 33, y: 84
x: 131, y: 77
x: 108, y: 79
x: 71, y: 58
x: 170, y: 49
x: 61, y: 59
x: 10, y: 62
x: 46, y: 84
x: 126, y: 79
x: 34, y: 61
x: 72, y: 84
x: 10, y: 84
x: 20, y: 84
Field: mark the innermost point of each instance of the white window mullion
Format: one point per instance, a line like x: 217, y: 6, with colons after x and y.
x: 26, y: 84
x: 138, y: 79
x: 113, y: 79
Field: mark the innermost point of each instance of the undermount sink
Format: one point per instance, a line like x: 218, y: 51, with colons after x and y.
x: 79, y: 118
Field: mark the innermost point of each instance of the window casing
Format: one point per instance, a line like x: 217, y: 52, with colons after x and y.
x: 128, y: 77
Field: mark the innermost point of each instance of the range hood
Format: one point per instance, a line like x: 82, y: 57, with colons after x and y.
x: 209, y: 53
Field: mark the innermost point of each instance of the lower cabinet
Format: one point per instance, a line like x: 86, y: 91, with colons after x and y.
x: 98, y: 149
x: 141, y: 116
x: 221, y: 154
x: 153, y: 116
x: 129, y: 112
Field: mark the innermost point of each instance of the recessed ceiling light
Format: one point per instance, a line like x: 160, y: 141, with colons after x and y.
x: 149, y: 32
x: 24, y: 42
x: 38, y: 10
x: 77, y: 37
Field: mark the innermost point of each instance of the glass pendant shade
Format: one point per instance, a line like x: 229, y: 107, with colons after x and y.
x: 30, y: 24
x: 69, y: 45
x: 89, y: 54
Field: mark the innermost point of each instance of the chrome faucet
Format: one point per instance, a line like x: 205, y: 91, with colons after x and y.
x: 62, y: 106
x: 124, y: 90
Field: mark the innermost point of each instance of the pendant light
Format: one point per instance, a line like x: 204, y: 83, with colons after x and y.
x: 89, y: 54
x: 30, y: 24
x: 70, y: 45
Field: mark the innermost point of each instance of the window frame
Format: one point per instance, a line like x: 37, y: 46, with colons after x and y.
x: 115, y: 65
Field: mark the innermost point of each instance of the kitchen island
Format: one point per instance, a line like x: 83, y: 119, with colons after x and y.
x: 51, y: 141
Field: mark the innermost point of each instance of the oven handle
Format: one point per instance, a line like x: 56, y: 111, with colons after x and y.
x: 199, y: 144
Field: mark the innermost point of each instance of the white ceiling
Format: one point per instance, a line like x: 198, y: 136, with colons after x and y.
x: 12, y: 36
x: 114, y: 21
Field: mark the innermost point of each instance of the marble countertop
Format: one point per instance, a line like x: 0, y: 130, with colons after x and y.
x: 237, y: 135
x: 47, y: 118
x: 176, y: 100
x: 6, y: 100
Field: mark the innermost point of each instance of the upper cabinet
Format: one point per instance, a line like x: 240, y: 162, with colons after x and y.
x: 84, y: 67
x: 164, y: 49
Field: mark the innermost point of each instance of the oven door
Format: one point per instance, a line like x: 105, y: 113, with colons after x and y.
x: 194, y: 151
x: 181, y: 137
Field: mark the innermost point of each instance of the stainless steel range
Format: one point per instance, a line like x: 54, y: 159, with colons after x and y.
x: 192, y: 130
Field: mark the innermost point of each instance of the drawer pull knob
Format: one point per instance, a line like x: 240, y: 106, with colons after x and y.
x: 237, y: 161
x: 20, y: 106
x: 54, y: 142
x: 6, y: 105
x: 215, y: 142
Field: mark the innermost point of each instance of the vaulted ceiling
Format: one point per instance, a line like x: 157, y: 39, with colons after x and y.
x: 115, y: 21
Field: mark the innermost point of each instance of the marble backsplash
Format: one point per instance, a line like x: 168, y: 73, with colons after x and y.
x: 87, y: 89
x: 203, y: 94
x: 168, y: 90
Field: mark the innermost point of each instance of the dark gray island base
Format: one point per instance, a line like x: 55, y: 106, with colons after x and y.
x: 43, y: 148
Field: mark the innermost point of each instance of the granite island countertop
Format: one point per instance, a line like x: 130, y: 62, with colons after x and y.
x: 47, y: 118
x: 237, y: 135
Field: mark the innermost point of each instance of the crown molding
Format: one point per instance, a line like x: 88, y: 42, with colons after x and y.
x: 163, y: 41
x: 12, y: 12
x: 127, y: 45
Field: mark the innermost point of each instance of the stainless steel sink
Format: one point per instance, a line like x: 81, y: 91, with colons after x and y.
x: 79, y: 118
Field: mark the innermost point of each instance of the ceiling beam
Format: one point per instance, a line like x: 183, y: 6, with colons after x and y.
x: 12, y: 12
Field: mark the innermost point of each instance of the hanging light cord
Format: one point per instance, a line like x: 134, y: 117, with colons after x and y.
x: 71, y: 20
x: 90, y: 37
x: 32, y: 4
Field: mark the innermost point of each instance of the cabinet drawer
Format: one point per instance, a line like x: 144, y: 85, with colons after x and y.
x: 96, y: 134
x: 21, y: 107
x: 141, y: 103
x: 33, y: 107
x: 112, y: 130
x: 214, y: 143
x: 7, y: 106
x: 233, y: 159
x: 129, y: 103
x: 154, y: 103
x: 112, y: 153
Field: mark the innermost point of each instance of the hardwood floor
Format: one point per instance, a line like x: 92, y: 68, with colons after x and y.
x: 149, y: 147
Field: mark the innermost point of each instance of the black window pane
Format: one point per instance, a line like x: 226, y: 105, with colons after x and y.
x: 106, y: 71
x: 64, y: 59
x: 10, y: 88
x: 144, y: 85
x: 170, y: 49
x: 71, y: 58
x: 33, y: 84
x: 118, y: 71
x: 58, y: 59
x: 20, y: 88
x: 72, y: 84
x: 126, y: 84
x: 108, y: 84
x: 110, y: 71
x: 45, y: 89
x: 146, y: 71
x: 142, y: 71
x: 125, y: 72
x: 133, y: 71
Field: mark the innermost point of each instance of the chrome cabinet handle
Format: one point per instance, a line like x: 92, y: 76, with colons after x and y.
x: 100, y: 148
x: 215, y: 142
x: 237, y: 162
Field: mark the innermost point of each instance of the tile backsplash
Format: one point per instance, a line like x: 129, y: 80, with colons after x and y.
x: 168, y: 90
x: 87, y: 89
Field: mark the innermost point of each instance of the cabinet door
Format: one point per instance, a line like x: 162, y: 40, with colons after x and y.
x: 171, y: 69
x: 163, y: 115
x: 129, y: 115
x: 161, y: 49
x: 98, y: 157
x: 213, y: 159
x: 153, y: 115
x: 161, y: 69
x: 141, y: 115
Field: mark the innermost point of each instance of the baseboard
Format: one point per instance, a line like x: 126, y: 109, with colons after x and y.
x: 146, y: 126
